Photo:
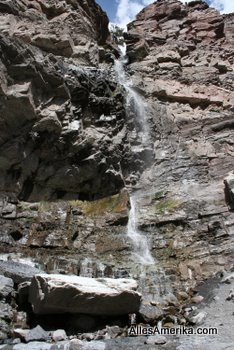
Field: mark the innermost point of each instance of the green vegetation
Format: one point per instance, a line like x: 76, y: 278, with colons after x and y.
x: 116, y: 204
x: 167, y: 205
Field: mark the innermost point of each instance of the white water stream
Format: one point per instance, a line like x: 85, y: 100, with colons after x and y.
x: 141, y: 250
x: 134, y: 100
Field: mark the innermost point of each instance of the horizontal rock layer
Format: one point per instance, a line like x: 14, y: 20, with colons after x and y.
x: 64, y: 135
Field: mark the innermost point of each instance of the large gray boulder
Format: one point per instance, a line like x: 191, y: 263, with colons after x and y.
x: 51, y: 294
x: 17, y: 271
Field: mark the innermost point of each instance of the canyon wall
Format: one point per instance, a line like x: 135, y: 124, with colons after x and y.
x: 70, y: 152
x: 181, y: 59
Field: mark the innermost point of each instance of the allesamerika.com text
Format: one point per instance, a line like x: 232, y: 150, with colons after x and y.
x: 136, y: 330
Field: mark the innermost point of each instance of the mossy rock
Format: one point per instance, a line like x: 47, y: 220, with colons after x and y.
x: 167, y: 205
x: 113, y: 204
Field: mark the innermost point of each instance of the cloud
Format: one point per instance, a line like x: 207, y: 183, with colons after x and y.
x: 224, y: 6
x: 128, y: 9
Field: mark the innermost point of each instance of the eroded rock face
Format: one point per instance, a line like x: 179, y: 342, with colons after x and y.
x: 64, y: 135
x: 68, y: 28
x: 181, y: 57
x: 60, y: 122
x: 52, y: 294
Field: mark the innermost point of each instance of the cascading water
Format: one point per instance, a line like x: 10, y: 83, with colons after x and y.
x: 134, y: 100
x: 137, y: 105
x: 141, y: 248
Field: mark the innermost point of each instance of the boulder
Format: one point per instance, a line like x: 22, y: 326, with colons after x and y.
x: 6, y: 286
x: 228, y: 278
x: 75, y: 344
x: 37, y: 334
x: 49, y: 122
x: 17, y: 271
x: 156, y: 340
x: 197, y: 299
x: 37, y: 345
x: 59, y: 335
x: 58, y: 294
x: 150, y: 313
x: 6, y: 311
x: 20, y: 333
x: 62, y: 46
x: 168, y: 56
x: 199, y: 318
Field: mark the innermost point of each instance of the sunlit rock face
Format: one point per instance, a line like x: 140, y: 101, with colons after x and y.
x: 68, y: 28
x: 181, y: 58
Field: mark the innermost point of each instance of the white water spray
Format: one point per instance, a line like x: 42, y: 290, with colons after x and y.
x: 141, y: 248
x: 134, y: 101
x: 138, y: 106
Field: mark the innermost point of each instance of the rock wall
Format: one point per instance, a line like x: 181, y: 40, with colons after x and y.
x: 61, y: 122
x: 181, y: 59
x: 68, y: 148
x: 69, y: 28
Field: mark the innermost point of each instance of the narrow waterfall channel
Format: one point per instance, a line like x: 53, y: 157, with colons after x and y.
x: 134, y: 100
x: 141, y: 249
x: 140, y: 244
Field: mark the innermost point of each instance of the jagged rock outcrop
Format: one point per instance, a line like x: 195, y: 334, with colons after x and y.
x: 70, y: 140
x: 62, y: 125
x: 65, y: 139
x: 181, y: 58
x: 69, y: 28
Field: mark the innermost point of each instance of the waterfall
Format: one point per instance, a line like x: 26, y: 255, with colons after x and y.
x: 134, y: 100
x: 140, y: 244
x: 137, y: 105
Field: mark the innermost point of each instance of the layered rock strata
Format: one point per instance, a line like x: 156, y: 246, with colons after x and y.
x: 65, y: 139
x: 181, y: 58
x: 61, y: 123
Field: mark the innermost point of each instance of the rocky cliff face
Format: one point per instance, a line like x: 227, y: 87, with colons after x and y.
x: 60, y: 123
x: 68, y: 28
x: 68, y: 148
x: 181, y: 58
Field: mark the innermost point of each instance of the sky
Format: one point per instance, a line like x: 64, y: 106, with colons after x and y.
x: 122, y: 12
